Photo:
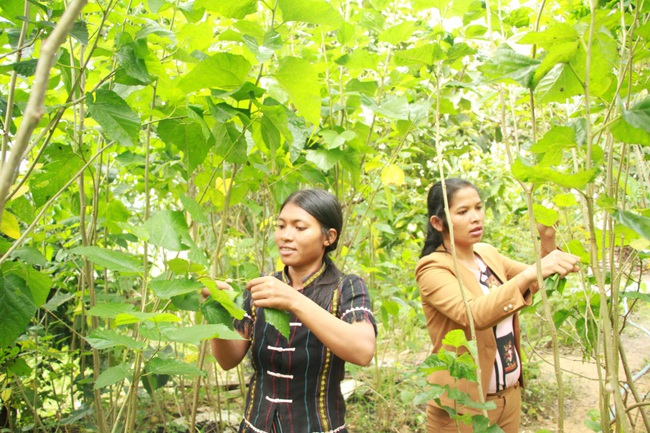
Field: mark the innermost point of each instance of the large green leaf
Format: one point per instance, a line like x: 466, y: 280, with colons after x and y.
x: 62, y: 163
x: 117, y: 119
x: 172, y: 367
x: 113, y: 375
x: 189, y: 136
x: 139, y: 317
x: 109, y: 259
x: 223, y: 70
x: 310, y: 11
x: 558, y: 84
x: 38, y: 283
x: 106, y: 338
x: 237, y: 9
x: 170, y: 288
x: 623, y: 131
x: 537, y: 174
x: 168, y: 229
x: 279, y: 320
x: 508, y: 65
x: 197, y: 333
x: 16, y: 308
x: 639, y: 115
x: 300, y: 79
x: 638, y: 223
x: 110, y: 310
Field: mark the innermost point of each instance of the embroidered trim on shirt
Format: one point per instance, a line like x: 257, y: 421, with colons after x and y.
x: 338, y: 429
x: 279, y: 400
x: 280, y: 375
x: 281, y: 349
x: 295, y: 324
x: 351, y: 310
x: 255, y: 429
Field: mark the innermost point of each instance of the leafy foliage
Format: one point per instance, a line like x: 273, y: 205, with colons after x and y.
x: 171, y: 131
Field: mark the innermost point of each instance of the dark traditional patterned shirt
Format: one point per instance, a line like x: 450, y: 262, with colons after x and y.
x: 295, y: 386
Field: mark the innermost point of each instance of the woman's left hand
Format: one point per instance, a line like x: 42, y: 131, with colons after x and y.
x: 270, y: 292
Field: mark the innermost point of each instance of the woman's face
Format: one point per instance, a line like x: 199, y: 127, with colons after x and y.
x: 467, y: 215
x: 300, y: 239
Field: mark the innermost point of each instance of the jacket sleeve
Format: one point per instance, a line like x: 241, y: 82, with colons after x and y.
x: 440, y: 288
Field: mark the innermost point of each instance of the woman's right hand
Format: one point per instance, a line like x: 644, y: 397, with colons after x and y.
x: 559, y: 262
x: 222, y: 285
x: 555, y: 262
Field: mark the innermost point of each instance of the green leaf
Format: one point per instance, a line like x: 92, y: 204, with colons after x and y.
x: 300, y: 79
x: 545, y: 215
x: 109, y: 259
x: 37, y: 283
x: 30, y: 255
x: 310, y: 11
x: 169, y: 288
x: 455, y: 338
x: 105, y: 338
x: 636, y: 295
x: 110, y: 310
x: 168, y: 229
x: 279, y: 320
x: 53, y: 175
x: 139, y: 317
x: 188, y: 136
x: 639, y: 115
x: 623, y: 131
x: 113, y: 114
x: 237, y: 9
x: 223, y: 70
x: 398, y: 33
x: 508, y: 65
x: 172, y: 367
x: 79, y: 31
x: 638, y: 223
x: 231, y: 144
x: 16, y: 308
x: 113, y: 375
x: 536, y: 174
x: 224, y: 297
x: 194, y: 209
x: 558, y: 84
x: 197, y: 333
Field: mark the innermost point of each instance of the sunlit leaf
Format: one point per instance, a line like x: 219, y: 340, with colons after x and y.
x: 9, y: 225
x: 168, y: 229
x: 392, y: 175
x: 113, y: 375
x: 639, y: 115
x: 109, y: 259
x: 300, y: 79
x: 168, y: 288
x: 623, y: 131
x: 237, y: 9
x: 110, y: 310
x: 197, y: 333
x: 117, y: 119
x: 310, y: 11
x: 173, y: 367
x: 279, y: 320
x: 508, y: 65
x: 106, y: 338
x: 222, y: 70
x: 640, y: 224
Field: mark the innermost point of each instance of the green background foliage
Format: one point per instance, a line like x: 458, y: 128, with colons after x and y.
x: 171, y: 131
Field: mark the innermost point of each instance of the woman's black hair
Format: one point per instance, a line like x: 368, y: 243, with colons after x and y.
x: 436, y: 207
x: 326, y: 209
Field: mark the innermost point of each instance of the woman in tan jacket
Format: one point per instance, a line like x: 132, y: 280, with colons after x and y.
x: 495, y: 288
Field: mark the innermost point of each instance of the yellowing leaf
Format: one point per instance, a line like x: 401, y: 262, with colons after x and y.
x: 392, y: 175
x: 9, y: 225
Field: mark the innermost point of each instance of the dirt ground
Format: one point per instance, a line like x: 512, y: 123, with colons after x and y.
x: 582, y: 384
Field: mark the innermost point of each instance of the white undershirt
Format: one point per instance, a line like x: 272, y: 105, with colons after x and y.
x: 507, y: 365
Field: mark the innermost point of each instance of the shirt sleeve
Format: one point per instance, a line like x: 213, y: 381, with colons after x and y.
x: 355, y: 305
x: 245, y: 325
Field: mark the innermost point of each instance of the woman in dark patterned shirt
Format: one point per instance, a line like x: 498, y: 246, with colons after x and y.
x: 295, y: 387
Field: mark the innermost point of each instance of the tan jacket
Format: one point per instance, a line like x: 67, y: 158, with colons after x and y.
x: 445, y: 310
